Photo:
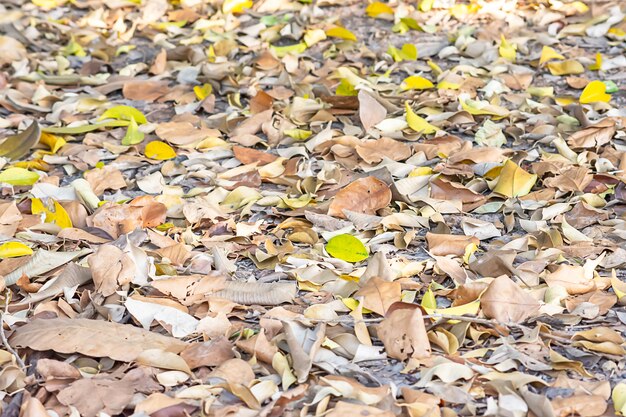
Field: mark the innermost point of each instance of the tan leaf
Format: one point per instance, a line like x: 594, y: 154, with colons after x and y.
x: 378, y: 294
x: 442, y: 245
x: 371, y: 112
x: 122, y: 342
x: 365, y: 195
x: 506, y: 302
x: 403, y: 333
x: 373, y: 151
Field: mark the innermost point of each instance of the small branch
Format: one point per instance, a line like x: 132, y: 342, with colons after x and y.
x: 3, y: 336
x: 441, y: 319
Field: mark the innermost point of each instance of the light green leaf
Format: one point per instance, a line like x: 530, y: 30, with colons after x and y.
x: 18, y: 176
x: 347, y: 248
x: 133, y: 134
x: 124, y: 113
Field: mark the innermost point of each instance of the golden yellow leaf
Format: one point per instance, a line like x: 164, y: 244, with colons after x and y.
x: 568, y: 67
x: 514, y: 181
x: 594, y: 91
x: 416, y: 82
x: 377, y: 8
x: 341, y: 33
x: 507, y: 50
x: 57, y: 216
x: 203, y: 91
x: 159, y: 150
x: 548, y: 54
x: 236, y: 6
x: 14, y: 249
x: 597, y: 66
x: 53, y: 142
x: 417, y: 123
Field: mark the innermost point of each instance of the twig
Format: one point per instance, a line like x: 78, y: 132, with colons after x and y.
x: 3, y: 336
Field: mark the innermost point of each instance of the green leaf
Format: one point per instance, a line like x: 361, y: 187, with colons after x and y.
x: 16, y: 146
x: 79, y: 130
x: 124, y: 113
x: 18, y: 176
x: 133, y: 134
x: 347, y: 248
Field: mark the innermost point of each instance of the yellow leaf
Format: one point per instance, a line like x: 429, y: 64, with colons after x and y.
x: 133, y: 134
x: 420, y: 171
x: 52, y: 141
x: 57, y: 216
x: 282, y: 51
x: 345, y: 88
x: 203, y: 91
x: 18, y: 176
x: 477, y: 107
x: 425, y: 5
x: 506, y: 50
x: 429, y: 301
x: 407, y: 53
x: 415, y: 82
x: 548, y: 53
x: 469, y: 308
x: 160, y: 151
x: 49, y: 4
x: 514, y: 181
x: 598, y: 65
x: 564, y: 101
x: 377, y: 8
x: 620, y: 33
x: 541, y: 91
x: 619, y: 398
x: 593, y: 92
x: 436, y: 68
x: 448, y: 85
x: 236, y: 6
x: 568, y: 67
x: 341, y: 33
x: 347, y: 248
x: 417, y: 123
x: 124, y: 113
x: 298, y: 134
x: 353, y: 304
x: 14, y: 249
x: 313, y: 36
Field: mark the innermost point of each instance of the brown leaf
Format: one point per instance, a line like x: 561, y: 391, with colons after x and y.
x: 506, y: 302
x: 212, y: 353
x: 110, y: 267
x: 249, y: 156
x: 378, y: 295
x: 403, y: 332
x: 122, y: 342
x: 107, y: 178
x: 574, y: 179
x: 365, y: 195
x: 442, y: 245
x: 593, y: 136
x: 371, y: 112
x: 373, y: 151
x: 147, y: 90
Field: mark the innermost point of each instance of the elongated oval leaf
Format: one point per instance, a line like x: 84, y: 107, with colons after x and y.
x: 347, y: 248
x: 16, y: 146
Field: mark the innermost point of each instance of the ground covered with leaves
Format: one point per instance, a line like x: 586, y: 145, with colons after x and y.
x: 334, y: 208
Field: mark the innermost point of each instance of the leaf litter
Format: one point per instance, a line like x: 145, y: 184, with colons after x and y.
x: 280, y: 207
